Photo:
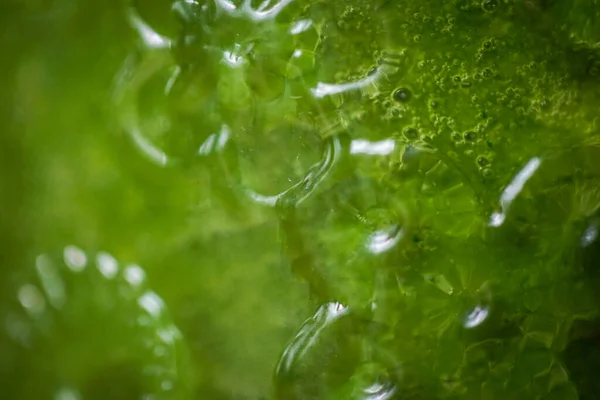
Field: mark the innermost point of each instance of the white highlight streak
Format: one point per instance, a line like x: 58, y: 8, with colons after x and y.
x: 380, y: 148
x: 513, y: 189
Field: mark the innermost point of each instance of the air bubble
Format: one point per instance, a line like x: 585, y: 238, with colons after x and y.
x: 402, y: 95
x: 107, y: 265
x: 482, y: 161
x: 134, y: 275
x: 489, y: 5
x: 410, y: 133
x: 74, y: 258
x: 470, y: 136
x: 32, y: 299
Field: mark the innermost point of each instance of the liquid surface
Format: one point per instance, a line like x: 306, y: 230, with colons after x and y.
x: 300, y: 199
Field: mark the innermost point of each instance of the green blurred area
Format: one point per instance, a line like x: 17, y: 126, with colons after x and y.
x: 170, y: 157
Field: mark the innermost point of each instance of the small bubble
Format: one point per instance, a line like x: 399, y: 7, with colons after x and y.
x: 433, y: 104
x: 31, y: 298
x: 417, y: 38
x: 410, y: 133
x: 482, y: 161
x: 470, y: 136
x: 488, y: 173
x: 134, y: 274
x: 152, y: 303
x: 395, y: 112
x: 456, y: 79
x: 107, y: 264
x: 455, y: 137
x: 402, y: 95
x: 489, y: 5
x: 75, y: 258
x: 487, y: 44
x: 475, y: 99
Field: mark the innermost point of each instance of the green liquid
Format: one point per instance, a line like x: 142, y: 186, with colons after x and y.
x: 300, y: 200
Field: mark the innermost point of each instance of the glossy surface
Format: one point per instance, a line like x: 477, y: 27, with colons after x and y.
x: 300, y: 199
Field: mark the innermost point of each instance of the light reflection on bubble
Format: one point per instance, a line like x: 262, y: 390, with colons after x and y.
x: 513, y: 189
x: 51, y: 281
x: 384, y: 240
x: 216, y: 141
x: 66, y: 394
x: 329, y: 89
x: 152, y: 303
x: 134, y: 275
x: 150, y: 38
x: 380, y: 148
x: 300, y: 26
x: 476, y: 317
x: 308, y: 335
x: 169, y: 335
x: 74, y: 258
x: 107, y: 265
x: 261, y: 13
x: 379, y: 391
x: 233, y: 58
x: 32, y: 299
x: 589, y: 236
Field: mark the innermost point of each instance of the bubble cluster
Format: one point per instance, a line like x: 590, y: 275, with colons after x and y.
x: 66, y: 295
x: 438, y: 114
